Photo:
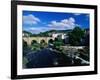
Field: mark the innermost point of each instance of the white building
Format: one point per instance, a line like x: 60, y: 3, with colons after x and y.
x: 25, y: 35
x: 55, y: 35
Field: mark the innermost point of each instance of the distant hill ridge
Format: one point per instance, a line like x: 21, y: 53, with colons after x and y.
x: 51, y: 31
x: 48, y: 33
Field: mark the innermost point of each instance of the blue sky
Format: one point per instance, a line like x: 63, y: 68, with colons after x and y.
x: 36, y: 22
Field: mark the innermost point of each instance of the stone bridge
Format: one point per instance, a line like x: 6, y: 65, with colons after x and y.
x: 38, y: 39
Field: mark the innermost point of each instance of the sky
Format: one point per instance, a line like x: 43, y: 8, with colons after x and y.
x: 36, y: 22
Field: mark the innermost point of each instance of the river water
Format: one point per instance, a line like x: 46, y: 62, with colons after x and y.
x: 46, y: 58
x: 49, y: 58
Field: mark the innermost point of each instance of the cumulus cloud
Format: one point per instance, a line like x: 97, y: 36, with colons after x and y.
x: 64, y: 24
x: 30, y: 19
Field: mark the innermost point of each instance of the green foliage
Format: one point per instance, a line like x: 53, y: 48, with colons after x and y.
x: 24, y: 44
x: 50, y: 41
x: 33, y: 42
x: 43, y: 44
x: 25, y: 61
x: 36, y: 47
x: 46, y: 33
x: 75, y: 36
x: 57, y: 43
x: 26, y: 32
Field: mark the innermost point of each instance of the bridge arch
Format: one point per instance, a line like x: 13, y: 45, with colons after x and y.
x: 33, y: 42
x: 42, y: 41
x: 50, y: 41
x: 38, y: 39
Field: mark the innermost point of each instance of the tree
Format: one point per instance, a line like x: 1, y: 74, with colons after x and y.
x: 24, y: 44
x: 35, y: 46
x: 25, y: 47
x: 75, y: 36
x: 57, y: 43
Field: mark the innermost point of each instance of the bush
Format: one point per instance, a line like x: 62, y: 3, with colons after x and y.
x: 36, y: 47
x: 24, y: 44
x: 43, y: 44
x: 25, y: 61
x: 33, y: 42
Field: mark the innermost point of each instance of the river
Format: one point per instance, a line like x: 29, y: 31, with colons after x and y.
x: 49, y: 58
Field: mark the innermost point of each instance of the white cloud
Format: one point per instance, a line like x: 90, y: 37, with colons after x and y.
x: 71, y: 19
x: 63, y: 24
x: 55, y: 25
x: 37, y: 30
x: 77, y: 14
x: 30, y: 19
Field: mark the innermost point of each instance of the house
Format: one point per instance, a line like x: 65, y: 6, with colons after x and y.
x: 61, y: 35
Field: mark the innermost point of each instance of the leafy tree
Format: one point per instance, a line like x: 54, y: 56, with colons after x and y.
x: 25, y: 48
x: 27, y: 33
x: 35, y: 45
x: 24, y: 44
x: 75, y: 36
x: 57, y: 43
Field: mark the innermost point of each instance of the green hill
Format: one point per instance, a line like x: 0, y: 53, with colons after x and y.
x: 47, y: 33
